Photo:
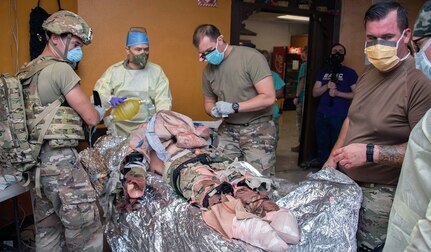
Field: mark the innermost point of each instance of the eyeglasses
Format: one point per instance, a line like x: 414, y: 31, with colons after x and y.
x: 417, y: 43
x: 202, y: 55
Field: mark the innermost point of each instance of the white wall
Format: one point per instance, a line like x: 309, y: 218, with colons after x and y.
x: 270, y: 34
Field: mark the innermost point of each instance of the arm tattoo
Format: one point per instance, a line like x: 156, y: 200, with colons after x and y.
x: 392, y: 155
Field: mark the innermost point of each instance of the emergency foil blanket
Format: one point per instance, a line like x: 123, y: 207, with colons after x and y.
x: 102, y: 164
x: 166, y: 222
x: 326, y: 206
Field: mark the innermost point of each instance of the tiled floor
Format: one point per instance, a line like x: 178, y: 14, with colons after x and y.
x: 287, y: 161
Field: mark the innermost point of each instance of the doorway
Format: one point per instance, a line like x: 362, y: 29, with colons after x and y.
x: 322, y: 30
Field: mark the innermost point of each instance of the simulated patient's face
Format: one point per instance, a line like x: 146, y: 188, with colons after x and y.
x: 134, y: 191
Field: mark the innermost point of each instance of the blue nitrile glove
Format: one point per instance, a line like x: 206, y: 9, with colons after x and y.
x: 101, y: 111
x: 115, y: 101
x: 225, y: 108
x: 215, y: 113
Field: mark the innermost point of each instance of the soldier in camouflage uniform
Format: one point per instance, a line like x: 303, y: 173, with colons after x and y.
x: 243, y: 94
x: 64, y: 202
x: 391, y: 97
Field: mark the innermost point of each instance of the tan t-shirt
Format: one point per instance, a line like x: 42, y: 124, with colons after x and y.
x: 234, y: 79
x: 55, y: 80
x: 385, y: 108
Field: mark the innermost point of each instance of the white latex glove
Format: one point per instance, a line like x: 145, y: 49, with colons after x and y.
x: 216, y: 113
x: 101, y: 111
x: 225, y: 108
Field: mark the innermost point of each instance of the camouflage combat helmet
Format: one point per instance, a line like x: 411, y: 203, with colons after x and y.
x: 68, y: 22
x: 422, y: 26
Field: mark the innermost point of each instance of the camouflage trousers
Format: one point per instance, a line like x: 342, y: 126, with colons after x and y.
x: 374, y: 217
x: 253, y: 143
x: 66, y: 215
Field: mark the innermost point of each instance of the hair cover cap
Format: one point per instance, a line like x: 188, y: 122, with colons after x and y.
x: 136, y: 38
x: 422, y: 26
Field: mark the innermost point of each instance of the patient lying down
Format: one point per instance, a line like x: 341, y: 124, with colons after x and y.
x: 233, y: 201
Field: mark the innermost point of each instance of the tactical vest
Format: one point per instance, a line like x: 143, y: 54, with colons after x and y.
x: 60, y: 125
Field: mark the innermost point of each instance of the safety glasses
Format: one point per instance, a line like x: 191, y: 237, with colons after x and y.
x: 202, y: 55
x: 417, y: 43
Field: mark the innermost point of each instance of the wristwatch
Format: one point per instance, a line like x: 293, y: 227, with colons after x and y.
x: 235, y: 107
x: 370, y: 152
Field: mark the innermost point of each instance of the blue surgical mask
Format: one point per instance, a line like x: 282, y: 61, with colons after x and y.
x: 422, y: 61
x: 74, y: 55
x: 215, y: 57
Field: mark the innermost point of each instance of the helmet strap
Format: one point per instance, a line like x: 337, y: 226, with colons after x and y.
x: 66, y: 46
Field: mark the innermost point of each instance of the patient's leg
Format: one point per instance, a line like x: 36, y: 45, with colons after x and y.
x: 285, y: 224
x: 255, y: 202
x: 259, y: 233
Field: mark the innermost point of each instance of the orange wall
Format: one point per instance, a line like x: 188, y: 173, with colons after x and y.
x: 23, y: 8
x: 170, y: 25
x: 352, y: 32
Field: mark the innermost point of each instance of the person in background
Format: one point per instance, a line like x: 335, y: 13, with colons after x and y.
x: 409, y: 227
x: 241, y: 93
x: 135, y: 77
x: 391, y: 96
x: 279, y: 93
x: 334, y: 86
x: 299, y: 95
x: 64, y: 202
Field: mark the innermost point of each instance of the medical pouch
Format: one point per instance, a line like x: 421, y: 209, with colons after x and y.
x: 65, y: 129
x: 15, y: 151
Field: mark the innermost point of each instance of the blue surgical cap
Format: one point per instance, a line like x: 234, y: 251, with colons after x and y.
x: 136, y: 38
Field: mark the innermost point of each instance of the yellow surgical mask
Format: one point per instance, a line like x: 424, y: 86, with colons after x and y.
x: 383, y: 54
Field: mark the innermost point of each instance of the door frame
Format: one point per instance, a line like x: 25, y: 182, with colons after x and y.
x: 324, y: 31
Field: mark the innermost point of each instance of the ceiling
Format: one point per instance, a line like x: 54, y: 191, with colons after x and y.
x: 272, y: 17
